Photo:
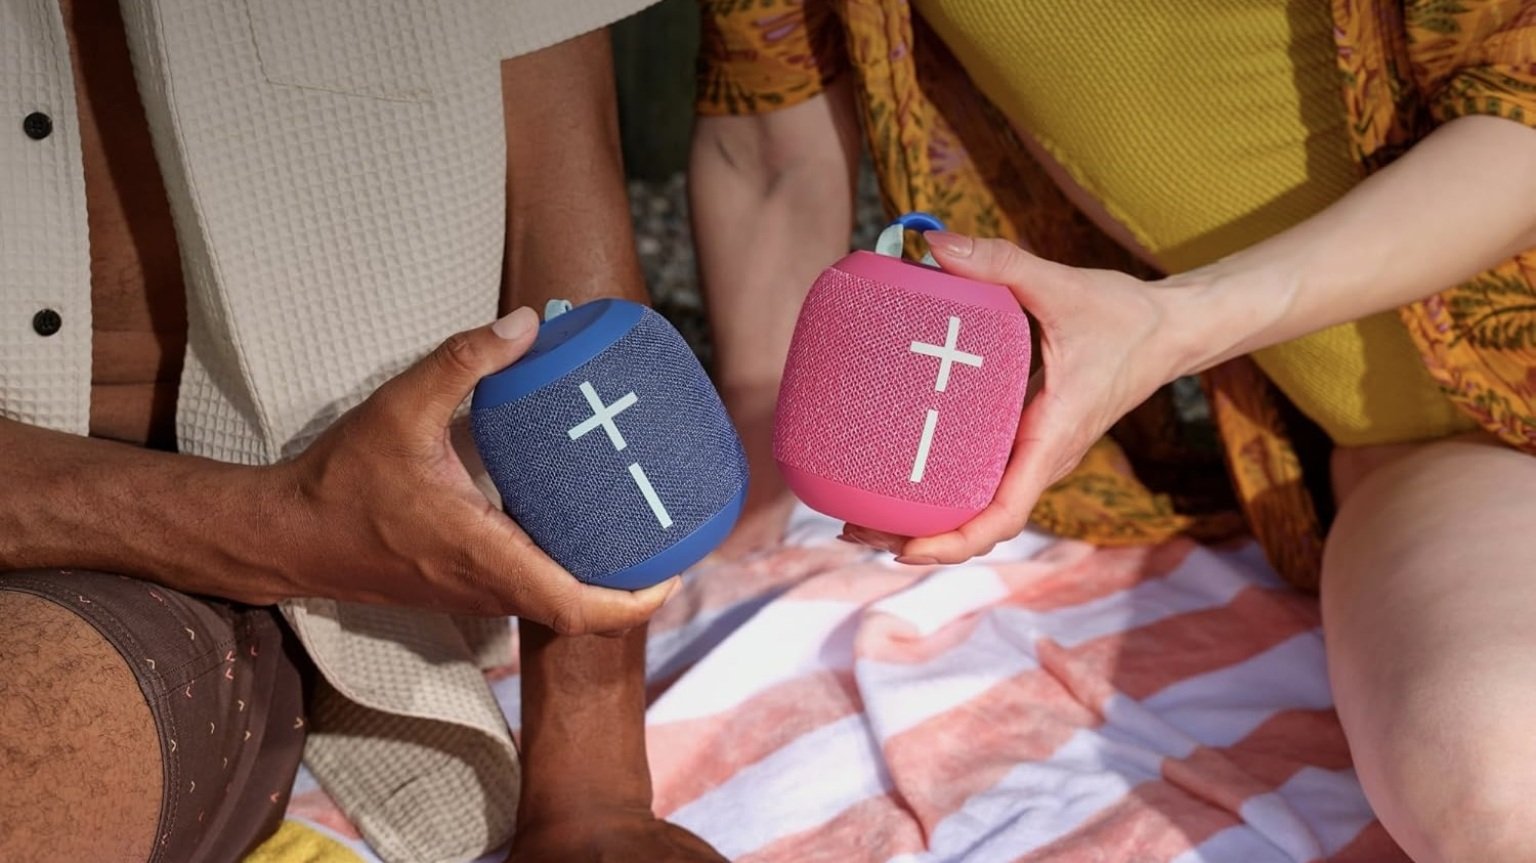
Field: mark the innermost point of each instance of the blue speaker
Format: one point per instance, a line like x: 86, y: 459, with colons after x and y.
x: 610, y: 446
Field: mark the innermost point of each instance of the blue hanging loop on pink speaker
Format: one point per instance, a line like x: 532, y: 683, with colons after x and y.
x: 893, y: 240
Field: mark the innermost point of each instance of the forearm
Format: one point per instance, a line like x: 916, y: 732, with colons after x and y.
x: 69, y: 501
x: 1459, y: 202
x: 583, y: 736
x: 771, y: 198
x: 569, y: 236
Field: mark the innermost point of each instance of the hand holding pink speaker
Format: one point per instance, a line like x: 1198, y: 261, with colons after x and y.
x: 902, y: 392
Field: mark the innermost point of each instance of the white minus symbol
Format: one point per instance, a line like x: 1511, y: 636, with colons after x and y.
x: 920, y: 464
x: 651, y: 497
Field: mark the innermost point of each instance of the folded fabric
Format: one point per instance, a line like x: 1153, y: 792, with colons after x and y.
x: 1050, y: 702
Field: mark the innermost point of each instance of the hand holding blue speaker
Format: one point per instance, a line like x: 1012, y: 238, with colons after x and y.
x: 610, y: 446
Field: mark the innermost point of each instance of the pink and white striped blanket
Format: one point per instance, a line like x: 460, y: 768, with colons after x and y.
x: 1052, y: 702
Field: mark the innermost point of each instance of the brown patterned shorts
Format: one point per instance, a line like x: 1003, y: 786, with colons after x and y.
x: 226, y: 685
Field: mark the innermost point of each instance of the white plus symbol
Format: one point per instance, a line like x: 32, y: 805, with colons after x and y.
x: 602, y: 415
x: 947, y: 354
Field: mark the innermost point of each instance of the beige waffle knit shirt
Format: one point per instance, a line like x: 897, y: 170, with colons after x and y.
x: 336, y: 170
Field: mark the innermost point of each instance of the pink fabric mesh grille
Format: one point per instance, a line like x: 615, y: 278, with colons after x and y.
x: 855, y: 396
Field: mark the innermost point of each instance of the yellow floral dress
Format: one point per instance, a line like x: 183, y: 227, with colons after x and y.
x: 938, y: 146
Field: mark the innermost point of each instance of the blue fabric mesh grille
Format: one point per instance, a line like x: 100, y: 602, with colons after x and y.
x: 577, y: 498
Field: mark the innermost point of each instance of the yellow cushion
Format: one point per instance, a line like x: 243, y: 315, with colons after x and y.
x: 299, y: 843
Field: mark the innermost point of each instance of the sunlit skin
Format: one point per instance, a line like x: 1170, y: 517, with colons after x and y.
x: 183, y: 521
x: 1426, y: 578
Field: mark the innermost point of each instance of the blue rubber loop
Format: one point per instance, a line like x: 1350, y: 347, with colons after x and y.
x: 918, y: 221
x: 893, y: 240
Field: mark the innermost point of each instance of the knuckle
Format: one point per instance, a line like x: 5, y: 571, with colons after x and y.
x: 464, y: 565
x: 461, y: 548
x: 1005, y: 253
x: 568, y: 618
x: 519, y: 544
x: 458, y: 355
x: 1004, y: 250
x: 1017, y: 515
x: 1069, y: 461
x: 993, y: 252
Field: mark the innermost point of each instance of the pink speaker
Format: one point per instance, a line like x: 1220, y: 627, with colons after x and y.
x: 902, y: 392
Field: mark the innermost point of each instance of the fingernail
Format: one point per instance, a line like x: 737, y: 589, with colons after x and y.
x: 515, y: 324
x: 917, y: 561
x: 677, y: 582
x: 954, y: 245
x: 843, y: 537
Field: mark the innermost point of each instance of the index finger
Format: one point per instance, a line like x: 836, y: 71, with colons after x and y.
x: 609, y: 611
x: 569, y: 607
x: 1030, y: 466
x: 543, y: 591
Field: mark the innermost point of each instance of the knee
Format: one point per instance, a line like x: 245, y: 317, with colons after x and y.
x: 1461, y: 797
x: 1485, y: 817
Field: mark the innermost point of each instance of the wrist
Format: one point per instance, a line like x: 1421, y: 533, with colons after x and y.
x: 1223, y: 310
x: 275, y: 526
x: 232, y: 539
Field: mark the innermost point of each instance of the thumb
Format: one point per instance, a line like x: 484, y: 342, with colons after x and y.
x: 1031, y: 278
x: 439, y: 382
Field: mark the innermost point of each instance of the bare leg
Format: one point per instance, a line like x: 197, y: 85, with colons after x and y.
x: 769, y: 501
x: 1429, y: 608
x: 586, y: 783
x: 771, y: 199
x: 79, y: 754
